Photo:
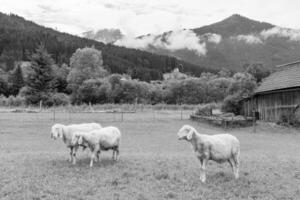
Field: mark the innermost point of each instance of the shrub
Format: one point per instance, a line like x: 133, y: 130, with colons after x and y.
x: 288, y: 119
x: 12, y: 101
x: 94, y: 91
x: 59, y: 99
x: 206, y: 109
x: 232, y: 103
x: 16, y: 101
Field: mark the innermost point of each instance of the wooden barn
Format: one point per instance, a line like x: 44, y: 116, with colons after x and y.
x: 278, y: 95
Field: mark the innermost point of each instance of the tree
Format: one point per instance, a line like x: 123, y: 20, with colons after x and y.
x: 61, y: 74
x: 258, y: 71
x: 242, y: 86
x: 86, y: 63
x: 17, y: 80
x: 40, y: 84
x: 94, y: 91
x: 3, y: 86
x: 4, y: 89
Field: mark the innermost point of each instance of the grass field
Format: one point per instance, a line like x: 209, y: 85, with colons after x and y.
x: 153, y: 163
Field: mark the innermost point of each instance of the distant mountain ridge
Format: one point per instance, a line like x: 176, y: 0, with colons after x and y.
x: 230, y: 43
x: 234, y: 25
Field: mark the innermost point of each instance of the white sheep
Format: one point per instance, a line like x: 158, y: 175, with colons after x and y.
x: 219, y: 148
x: 66, y: 133
x: 103, y: 139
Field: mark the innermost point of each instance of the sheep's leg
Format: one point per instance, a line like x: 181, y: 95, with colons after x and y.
x: 236, y: 164
x: 202, y: 170
x: 117, y: 152
x: 92, y: 160
x: 94, y: 155
x: 71, y: 154
x: 232, y: 164
x: 113, y: 154
x: 74, y: 155
x: 98, y: 153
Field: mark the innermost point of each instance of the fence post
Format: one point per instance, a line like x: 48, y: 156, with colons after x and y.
x: 41, y: 103
x: 53, y: 114
x: 180, y: 112
x: 254, y: 121
x: 91, y: 107
x: 122, y: 113
x: 154, y: 116
x: 69, y: 115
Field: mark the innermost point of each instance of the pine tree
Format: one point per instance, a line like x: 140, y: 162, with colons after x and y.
x: 17, y: 80
x: 40, y: 83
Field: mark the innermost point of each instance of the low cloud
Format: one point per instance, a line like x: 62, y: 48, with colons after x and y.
x: 104, y: 35
x: 136, y: 43
x: 259, y: 38
x: 291, y: 34
x: 249, y: 39
x: 213, y: 37
x: 185, y: 39
x: 173, y: 41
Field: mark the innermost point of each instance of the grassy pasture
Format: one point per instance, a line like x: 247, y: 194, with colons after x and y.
x: 153, y: 163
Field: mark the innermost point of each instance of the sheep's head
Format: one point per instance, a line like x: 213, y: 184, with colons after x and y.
x: 56, y: 131
x: 186, y: 132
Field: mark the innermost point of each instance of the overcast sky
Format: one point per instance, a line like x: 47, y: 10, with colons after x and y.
x: 137, y: 17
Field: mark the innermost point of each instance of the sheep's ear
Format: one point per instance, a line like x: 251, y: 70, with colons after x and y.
x: 190, y: 135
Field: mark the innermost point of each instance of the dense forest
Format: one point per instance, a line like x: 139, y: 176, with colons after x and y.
x: 19, y: 38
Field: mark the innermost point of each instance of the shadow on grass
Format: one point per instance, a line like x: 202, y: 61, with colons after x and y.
x: 222, y: 177
x: 84, y: 162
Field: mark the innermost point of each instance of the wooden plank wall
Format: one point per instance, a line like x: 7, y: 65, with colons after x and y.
x: 272, y: 106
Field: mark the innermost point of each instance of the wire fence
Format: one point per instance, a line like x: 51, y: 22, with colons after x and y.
x: 68, y: 117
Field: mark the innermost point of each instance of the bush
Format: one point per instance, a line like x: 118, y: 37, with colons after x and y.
x: 12, y: 101
x: 288, y: 119
x: 232, y: 103
x: 94, y: 91
x: 206, y: 109
x: 59, y: 99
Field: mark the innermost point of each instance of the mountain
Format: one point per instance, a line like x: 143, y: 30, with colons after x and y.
x: 230, y: 43
x: 234, y: 25
x: 19, y: 38
x: 104, y: 35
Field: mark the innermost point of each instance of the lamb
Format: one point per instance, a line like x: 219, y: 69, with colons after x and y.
x: 66, y: 133
x: 99, y: 140
x: 219, y: 148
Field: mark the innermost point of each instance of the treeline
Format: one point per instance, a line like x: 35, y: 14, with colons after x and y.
x: 19, y: 38
x: 87, y: 80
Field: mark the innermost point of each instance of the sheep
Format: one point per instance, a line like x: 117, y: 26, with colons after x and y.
x: 66, y: 133
x: 99, y: 140
x: 219, y: 148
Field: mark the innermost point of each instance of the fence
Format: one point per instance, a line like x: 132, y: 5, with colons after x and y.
x: 68, y: 117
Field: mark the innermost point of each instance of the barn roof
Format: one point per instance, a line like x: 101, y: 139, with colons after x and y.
x: 287, y: 76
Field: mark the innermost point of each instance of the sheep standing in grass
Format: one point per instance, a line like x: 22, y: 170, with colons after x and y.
x: 99, y: 140
x: 66, y: 133
x: 220, y: 148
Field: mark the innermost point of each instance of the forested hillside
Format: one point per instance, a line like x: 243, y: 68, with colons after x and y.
x: 19, y: 38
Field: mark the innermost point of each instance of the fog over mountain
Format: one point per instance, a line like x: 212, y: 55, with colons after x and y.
x: 230, y: 43
x: 104, y: 35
